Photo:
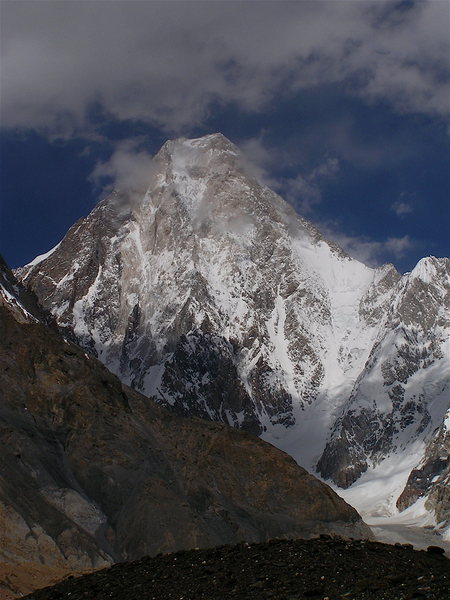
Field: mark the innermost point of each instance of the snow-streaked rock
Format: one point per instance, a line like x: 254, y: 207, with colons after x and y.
x: 403, y: 392
x: 91, y: 472
x: 429, y: 481
x: 208, y: 292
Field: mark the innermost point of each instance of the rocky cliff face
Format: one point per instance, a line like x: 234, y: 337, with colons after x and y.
x: 209, y: 293
x: 18, y: 300
x: 404, y: 390
x: 92, y: 472
x: 430, y: 479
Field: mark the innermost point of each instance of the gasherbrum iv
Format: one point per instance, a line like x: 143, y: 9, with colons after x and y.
x: 209, y: 293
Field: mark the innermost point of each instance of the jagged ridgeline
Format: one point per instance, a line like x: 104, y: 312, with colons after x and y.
x: 209, y: 293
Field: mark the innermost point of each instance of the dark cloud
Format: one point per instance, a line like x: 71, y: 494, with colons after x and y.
x: 167, y: 63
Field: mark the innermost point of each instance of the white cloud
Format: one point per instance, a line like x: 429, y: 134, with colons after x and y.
x: 401, y: 208
x: 328, y: 168
x: 302, y: 191
x: 398, y: 246
x: 167, y: 63
x: 128, y: 170
x: 370, y: 252
x: 259, y: 160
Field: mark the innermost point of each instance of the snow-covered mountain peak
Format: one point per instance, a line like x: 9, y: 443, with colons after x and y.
x: 430, y: 268
x: 210, y: 293
x: 208, y: 248
x: 214, y: 142
x: 212, y: 155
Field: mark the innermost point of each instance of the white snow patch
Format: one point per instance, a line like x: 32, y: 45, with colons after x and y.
x: 275, y: 329
x: 375, y: 493
x: 42, y: 257
x: 152, y: 382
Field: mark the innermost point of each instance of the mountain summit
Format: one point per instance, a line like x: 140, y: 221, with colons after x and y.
x: 209, y: 293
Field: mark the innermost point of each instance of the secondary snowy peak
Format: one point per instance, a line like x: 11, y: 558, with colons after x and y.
x: 429, y: 268
x: 208, y: 292
x: 403, y: 393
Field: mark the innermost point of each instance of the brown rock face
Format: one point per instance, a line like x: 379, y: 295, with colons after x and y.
x: 20, y: 302
x: 92, y: 472
x: 17, y: 579
x: 431, y: 478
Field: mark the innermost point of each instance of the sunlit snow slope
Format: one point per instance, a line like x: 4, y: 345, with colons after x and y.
x: 210, y: 293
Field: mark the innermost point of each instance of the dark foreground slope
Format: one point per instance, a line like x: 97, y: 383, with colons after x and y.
x: 93, y: 473
x: 332, y: 568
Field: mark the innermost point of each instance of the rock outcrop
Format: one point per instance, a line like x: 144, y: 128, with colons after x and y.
x: 431, y: 477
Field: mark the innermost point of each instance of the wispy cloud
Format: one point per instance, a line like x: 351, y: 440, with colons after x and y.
x: 129, y: 169
x: 259, y: 160
x: 401, y: 208
x: 398, y: 246
x: 302, y: 191
x: 403, y: 205
x: 370, y: 252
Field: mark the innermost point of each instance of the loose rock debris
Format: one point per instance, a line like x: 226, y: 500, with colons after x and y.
x: 325, y: 568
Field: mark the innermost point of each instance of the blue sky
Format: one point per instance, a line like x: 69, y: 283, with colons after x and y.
x: 341, y: 107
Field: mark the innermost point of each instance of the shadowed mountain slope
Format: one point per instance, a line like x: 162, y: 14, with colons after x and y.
x: 91, y: 472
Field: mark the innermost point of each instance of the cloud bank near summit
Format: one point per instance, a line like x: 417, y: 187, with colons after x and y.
x: 168, y: 63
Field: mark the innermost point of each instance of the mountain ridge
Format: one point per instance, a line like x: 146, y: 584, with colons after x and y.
x: 209, y: 292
